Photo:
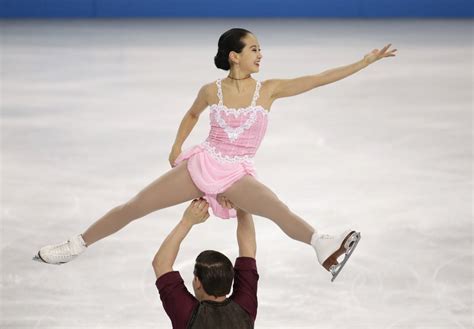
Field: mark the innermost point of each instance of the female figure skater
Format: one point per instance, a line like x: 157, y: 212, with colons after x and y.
x: 220, y: 169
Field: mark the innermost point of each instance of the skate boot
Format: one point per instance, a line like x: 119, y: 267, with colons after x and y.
x: 62, y: 252
x: 328, y: 249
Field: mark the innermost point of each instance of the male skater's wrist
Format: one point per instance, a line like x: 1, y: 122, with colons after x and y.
x: 186, y: 221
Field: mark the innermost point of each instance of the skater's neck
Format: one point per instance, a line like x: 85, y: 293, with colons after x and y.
x: 213, y: 298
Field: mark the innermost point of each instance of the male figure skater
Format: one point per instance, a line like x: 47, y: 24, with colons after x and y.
x: 213, y: 275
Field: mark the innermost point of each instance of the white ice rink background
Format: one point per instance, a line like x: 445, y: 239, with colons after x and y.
x: 89, y: 112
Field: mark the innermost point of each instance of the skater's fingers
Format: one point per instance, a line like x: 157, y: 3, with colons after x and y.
x: 201, y: 202
x: 227, y: 203
x: 385, y: 48
x: 223, y: 201
x: 196, y: 201
x: 203, y: 217
x: 201, y: 207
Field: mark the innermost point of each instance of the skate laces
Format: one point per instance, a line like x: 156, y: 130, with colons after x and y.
x: 60, y: 250
x: 64, y: 250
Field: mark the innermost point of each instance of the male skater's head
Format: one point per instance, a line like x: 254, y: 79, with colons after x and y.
x: 213, y: 277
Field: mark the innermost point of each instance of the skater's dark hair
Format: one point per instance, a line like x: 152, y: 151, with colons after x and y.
x: 215, y: 271
x: 229, y: 41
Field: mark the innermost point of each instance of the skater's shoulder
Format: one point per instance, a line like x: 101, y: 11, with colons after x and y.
x: 206, y: 90
x: 201, y: 101
x: 208, y: 93
x: 210, y: 88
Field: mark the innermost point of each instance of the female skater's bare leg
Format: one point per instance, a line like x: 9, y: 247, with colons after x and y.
x: 172, y: 188
x: 254, y: 197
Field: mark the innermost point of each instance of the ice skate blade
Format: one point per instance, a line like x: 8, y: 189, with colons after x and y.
x: 346, y: 245
x: 336, y: 269
x: 38, y: 258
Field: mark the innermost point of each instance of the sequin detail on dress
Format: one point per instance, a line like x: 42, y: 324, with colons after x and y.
x: 234, y: 133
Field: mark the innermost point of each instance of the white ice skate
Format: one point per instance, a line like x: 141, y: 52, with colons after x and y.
x: 328, y: 249
x: 62, y: 252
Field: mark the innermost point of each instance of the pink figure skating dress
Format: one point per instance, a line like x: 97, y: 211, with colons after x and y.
x: 227, y: 153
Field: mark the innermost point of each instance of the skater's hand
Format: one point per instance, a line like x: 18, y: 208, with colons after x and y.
x: 376, y: 54
x: 197, y: 212
x: 175, y: 152
x: 224, y: 202
x: 165, y: 257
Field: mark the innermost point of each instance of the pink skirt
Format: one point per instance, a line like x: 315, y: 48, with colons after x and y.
x: 213, y: 177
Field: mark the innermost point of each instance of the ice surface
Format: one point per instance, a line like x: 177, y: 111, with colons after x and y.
x: 90, y: 110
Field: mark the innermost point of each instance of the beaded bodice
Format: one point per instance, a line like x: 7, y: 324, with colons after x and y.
x: 235, y: 134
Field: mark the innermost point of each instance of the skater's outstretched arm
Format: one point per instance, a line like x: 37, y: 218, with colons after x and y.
x: 290, y: 87
x: 197, y: 212
x: 246, y: 235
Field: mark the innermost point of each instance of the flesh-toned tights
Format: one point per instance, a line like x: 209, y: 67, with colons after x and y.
x: 248, y: 196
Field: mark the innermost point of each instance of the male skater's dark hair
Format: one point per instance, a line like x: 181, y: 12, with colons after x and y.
x: 215, y: 271
x: 229, y: 41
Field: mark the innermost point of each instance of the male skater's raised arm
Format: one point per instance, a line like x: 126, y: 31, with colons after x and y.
x: 246, y: 236
x: 196, y: 213
x: 177, y: 301
x: 213, y: 276
x: 245, y: 269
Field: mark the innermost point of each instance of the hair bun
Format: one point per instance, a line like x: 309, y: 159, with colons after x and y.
x: 221, y: 60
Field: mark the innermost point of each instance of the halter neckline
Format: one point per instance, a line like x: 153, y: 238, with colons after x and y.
x: 256, y: 94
